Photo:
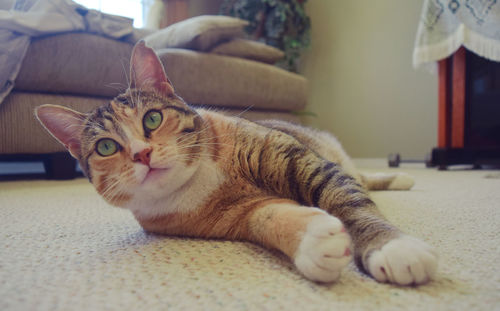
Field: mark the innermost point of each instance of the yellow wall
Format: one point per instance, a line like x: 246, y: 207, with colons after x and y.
x: 361, y: 81
x: 362, y: 84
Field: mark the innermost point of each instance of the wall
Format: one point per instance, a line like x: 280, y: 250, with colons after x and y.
x: 362, y: 84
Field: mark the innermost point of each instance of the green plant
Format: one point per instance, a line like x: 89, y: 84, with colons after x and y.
x: 283, y: 24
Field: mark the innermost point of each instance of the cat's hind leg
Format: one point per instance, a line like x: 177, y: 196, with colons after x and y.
x: 387, y: 181
x: 329, y: 148
x: 379, y: 248
x: 317, y: 242
x: 404, y: 260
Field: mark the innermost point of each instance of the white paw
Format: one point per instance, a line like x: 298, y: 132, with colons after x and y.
x: 402, y: 181
x: 324, y: 250
x: 403, y: 261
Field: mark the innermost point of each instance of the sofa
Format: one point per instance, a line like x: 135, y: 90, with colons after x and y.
x: 83, y: 70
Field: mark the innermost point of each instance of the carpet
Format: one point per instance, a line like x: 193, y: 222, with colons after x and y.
x: 63, y: 248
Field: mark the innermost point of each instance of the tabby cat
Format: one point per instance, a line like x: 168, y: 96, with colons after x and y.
x: 199, y: 173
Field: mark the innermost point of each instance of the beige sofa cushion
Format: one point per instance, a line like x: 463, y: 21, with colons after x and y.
x: 75, y: 63
x: 249, y: 49
x: 90, y: 65
x: 215, y: 80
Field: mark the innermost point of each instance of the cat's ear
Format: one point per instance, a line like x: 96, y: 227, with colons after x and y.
x: 146, y: 71
x: 64, y: 124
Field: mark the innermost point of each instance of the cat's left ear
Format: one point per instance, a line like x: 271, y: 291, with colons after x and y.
x: 146, y: 71
x: 64, y: 124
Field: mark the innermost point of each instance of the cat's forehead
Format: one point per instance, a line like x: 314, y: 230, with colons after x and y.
x: 135, y: 101
x: 126, y: 106
x: 102, y: 119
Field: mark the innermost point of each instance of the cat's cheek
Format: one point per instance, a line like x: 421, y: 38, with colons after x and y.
x: 103, y: 165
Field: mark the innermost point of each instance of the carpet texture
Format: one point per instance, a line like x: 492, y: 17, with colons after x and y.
x: 63, y: 248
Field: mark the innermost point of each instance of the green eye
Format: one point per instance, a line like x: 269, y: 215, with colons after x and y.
x: 152, y: 120
x: 106, y: 147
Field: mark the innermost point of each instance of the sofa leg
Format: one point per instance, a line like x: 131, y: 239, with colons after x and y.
x: 60, y: 165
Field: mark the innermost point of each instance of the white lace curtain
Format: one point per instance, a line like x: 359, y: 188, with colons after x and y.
x: 446, y: 25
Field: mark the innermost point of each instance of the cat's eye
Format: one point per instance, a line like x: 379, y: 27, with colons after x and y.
x: 152, y: 120
x: 106, y: 147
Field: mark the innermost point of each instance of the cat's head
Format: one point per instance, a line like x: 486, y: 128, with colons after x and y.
x: 145, y: 143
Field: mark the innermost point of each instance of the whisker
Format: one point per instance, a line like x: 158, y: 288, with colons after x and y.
x: 111, y: 187
x: 125, y: 71
x: 114, y: 183
x: 240, y: 114
x: 120, y: 87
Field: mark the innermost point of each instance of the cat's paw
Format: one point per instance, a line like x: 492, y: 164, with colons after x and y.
x: 324, y: 249
x: 403, y: 261
x: 401, y: 181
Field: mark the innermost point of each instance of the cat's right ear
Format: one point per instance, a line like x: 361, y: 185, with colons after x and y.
x: 146, y: 71
x: 64, y: 124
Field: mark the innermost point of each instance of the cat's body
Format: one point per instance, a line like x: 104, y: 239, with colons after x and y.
x: 199, y: 173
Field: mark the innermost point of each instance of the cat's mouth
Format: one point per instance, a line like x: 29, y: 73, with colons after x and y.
x: 154, y: 174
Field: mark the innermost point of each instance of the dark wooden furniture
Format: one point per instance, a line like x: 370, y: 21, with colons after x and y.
x: 469, y: 111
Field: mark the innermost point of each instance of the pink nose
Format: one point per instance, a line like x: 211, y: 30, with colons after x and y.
x: 143, y: 156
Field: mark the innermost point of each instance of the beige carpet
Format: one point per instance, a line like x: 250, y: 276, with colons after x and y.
x: 63, y: 248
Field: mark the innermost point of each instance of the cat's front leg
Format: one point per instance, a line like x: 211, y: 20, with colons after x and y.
x: 324, y: 249
x: 317, y: 242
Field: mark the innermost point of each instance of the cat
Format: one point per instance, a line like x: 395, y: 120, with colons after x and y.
x: 199, y: 173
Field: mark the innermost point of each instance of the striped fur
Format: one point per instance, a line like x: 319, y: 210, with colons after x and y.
x: 217, y: 176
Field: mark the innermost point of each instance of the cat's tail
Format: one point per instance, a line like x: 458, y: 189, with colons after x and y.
x: 387, y: 181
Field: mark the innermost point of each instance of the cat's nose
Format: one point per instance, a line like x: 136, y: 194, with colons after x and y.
x: 143, y: 156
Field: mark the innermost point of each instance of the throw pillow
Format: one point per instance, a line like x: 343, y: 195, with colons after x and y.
x: 197, y: 33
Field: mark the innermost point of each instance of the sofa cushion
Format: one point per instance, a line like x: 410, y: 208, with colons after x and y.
x: 198, y: 33
x: 21, y: 133
x: 90, y: 65
x: 249, y: 49
x: 75, y: 63
x: 215, y: 80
